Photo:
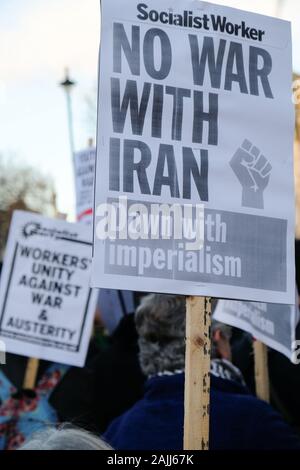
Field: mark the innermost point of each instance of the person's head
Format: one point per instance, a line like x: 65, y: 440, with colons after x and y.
x: 65, y: 437
x: 160, y: 323
x: 220, y: 341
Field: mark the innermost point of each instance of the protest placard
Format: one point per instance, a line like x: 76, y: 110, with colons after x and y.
x: 111, y: 306
x: 46, y: 304
x: 195, y: 140
x: 114, y: 305
x: 272, y: 324
x: 84, y: 173
x: 194, y: 167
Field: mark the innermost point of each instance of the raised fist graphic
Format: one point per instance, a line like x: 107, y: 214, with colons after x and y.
x: 253, y: 172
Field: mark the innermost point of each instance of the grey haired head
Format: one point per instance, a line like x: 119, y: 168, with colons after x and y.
x: 66, y: 437
x: 160, y: 323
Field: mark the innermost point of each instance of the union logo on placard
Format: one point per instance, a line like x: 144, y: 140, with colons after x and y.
x: 31, y: 229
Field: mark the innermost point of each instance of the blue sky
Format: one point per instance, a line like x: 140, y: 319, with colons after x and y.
x: 38, y: 39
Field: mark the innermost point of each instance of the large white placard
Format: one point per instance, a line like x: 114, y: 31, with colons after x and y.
x: 46, y: 305
x: 195, y: 125
x: 274, y: 325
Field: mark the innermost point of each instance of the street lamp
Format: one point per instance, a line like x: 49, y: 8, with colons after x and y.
x: 67, y: 84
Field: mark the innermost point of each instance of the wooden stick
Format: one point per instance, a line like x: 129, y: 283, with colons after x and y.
x: 31, y: 373
x: 197, y: 373
x: 261, y: 371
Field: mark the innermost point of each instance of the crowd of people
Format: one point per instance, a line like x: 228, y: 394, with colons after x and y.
x: 130, y: 393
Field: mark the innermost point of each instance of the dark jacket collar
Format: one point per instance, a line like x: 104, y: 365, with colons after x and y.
x: 172, y: 386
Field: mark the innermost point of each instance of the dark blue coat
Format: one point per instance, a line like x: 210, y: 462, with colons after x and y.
x: 238, y: 420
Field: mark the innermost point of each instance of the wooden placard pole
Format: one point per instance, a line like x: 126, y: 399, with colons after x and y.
x: 197, y: 373
x: 262, y: 384
x: 31, y: 373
